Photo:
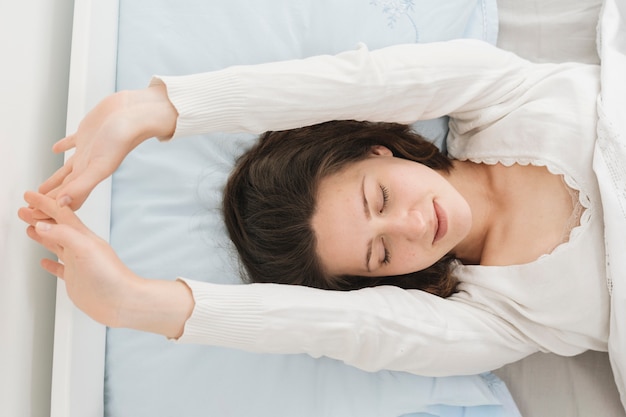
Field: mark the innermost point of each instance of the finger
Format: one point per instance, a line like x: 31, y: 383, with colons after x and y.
x: 49, y: 244
x: 57, y: 178
x: 31, y: 215
x: 63, y: 236
x: 50, y: 208
x: 52, y: 193
x: 26, y: 214
x: 39, y: 215
x: 77, y: 188
x: 64, y: 144
x: 55, y: 268
x: 38, y: 201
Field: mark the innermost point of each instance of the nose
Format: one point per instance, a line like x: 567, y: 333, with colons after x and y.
x: 409, y: 225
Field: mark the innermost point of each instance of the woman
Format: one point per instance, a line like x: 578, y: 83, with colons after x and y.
x: 522, y: 138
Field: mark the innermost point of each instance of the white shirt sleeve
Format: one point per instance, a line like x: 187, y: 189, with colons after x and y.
x: 401, y: 83
x: 371, y: 329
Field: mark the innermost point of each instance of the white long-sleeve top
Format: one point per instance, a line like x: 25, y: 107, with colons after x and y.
x: 502, y: 109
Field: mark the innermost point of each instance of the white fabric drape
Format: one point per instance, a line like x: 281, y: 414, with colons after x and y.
x: 610, y: 166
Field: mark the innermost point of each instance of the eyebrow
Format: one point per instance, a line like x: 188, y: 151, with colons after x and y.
x: 366, y: 209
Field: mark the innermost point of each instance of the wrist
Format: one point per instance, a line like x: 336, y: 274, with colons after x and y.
x: 152, y: 109
x: 157, y: 306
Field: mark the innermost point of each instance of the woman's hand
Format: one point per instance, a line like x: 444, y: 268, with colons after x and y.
x: 95, y: 278
x: 104, y: 137
x: 97, y: 281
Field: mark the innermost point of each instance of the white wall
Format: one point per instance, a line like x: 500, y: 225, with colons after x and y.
x: 35, y: 40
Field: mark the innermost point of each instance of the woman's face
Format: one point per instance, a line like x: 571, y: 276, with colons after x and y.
x: 385, y: 216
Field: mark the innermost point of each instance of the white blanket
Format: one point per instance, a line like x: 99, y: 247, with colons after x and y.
x: 610, y: 167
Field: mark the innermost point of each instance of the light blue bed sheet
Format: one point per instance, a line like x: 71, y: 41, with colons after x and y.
x: 166, y: 220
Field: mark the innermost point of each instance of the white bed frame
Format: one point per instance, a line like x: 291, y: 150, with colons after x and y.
x: 79, y: 342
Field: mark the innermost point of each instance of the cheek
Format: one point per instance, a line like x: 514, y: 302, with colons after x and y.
x: 410, y: 258
x: 463, y: 216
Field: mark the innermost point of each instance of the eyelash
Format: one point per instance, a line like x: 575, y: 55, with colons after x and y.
x: 387, y: 257
x: 385, y: 192
x: 385, y: 196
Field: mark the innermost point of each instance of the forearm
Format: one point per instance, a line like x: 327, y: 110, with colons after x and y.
x: 156, y: 306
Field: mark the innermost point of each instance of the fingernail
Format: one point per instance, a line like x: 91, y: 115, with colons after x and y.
x: 66, y: 200
x: 42, y: 226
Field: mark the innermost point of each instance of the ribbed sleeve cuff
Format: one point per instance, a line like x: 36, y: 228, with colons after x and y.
x: 207, y: 102
x: 223, y: 315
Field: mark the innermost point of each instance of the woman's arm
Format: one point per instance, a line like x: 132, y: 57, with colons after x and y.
x: 401, y: 83
x: 112, y: 129
x: 97, y: 281
x: 371, y: 329
x: 470, y: 80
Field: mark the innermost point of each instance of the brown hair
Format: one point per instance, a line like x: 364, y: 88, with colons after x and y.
x: 270, y: 199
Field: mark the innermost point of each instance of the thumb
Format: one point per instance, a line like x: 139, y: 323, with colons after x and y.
x: 64, y: 144
x: 58, y: 237
x: 77, y: 189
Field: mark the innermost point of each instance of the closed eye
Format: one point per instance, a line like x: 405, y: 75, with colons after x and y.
x: 385, y: 192
x: 387, y: 257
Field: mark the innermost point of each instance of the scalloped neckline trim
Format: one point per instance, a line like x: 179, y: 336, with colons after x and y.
x: 581, y: 212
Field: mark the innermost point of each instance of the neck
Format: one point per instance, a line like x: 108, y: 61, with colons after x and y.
x: 473, y: 182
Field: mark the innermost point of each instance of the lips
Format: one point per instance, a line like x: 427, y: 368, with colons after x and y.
x: 441, y: 226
